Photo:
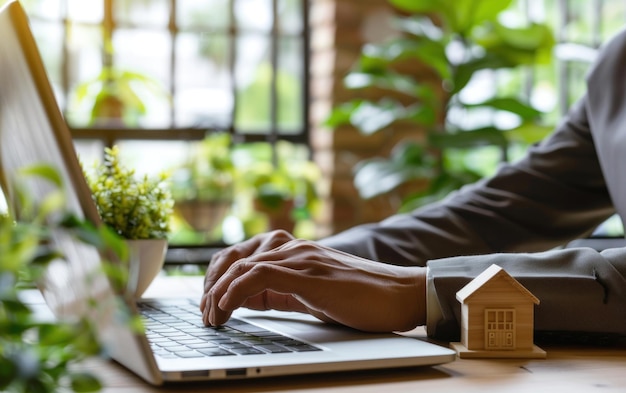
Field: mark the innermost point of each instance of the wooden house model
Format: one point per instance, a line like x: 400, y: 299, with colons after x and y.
x: 497, y: 317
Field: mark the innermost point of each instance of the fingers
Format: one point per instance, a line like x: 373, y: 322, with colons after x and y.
x: 261, y: 286
x: 333, y: 286
x: 223, y: 259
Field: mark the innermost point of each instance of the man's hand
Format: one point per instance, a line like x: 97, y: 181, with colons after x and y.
x: 277, y: 271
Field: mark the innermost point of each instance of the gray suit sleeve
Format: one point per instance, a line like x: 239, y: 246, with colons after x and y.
x: 517, y: 218
x: 555, y: 194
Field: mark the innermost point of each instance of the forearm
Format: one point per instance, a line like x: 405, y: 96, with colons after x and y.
x: 580, y: 290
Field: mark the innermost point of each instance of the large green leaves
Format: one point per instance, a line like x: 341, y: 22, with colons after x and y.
x: 451, y: 42
x: 460, y: 15
x: 408, y: 161
x: 369, y: 117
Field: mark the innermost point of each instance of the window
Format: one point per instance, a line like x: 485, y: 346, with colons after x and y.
x: 499, y: 328
x: 153, y: 76
x: 580, y: 27
x: 180, y: 67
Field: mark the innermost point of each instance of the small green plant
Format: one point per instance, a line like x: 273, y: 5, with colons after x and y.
x: 35, y: 355
x: 282, y: 181
x: 203, y: 189
x: 208, y: 174
x: 134, y: 207
x: 115, y: 97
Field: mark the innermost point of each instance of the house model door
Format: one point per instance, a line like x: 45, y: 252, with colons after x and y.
x: 499, y: 328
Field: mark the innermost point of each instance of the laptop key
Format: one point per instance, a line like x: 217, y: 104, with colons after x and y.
x: 205, y: 345
x: 246, y: 351
x: 216, y: 352
x: 302, y: 347
x: 272, y: 348
x: 189, y: 354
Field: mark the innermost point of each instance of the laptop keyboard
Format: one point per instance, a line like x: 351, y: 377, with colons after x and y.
x: 177, y: 331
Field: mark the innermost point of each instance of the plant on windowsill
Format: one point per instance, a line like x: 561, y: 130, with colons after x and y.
x: 137, y: 208
x: 453, y: 42
x: 203, y: 187
x: 115, y: 98
x: 283, y: 189
x: 44, y: 356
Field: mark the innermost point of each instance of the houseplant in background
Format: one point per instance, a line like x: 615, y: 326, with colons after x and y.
x: 203, y: 186
x: 281, y: 182
x: 114, y: 98
x: 455, y: 42
x: 137, y: 208
x: 36, y: 355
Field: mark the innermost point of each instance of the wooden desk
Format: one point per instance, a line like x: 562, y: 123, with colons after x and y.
x: 581, y: 369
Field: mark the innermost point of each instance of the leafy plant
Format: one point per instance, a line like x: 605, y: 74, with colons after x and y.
x: 38, y: 356
x: 208, y: 174
x: 203, y: 189
x: 134, y: 207
x: 115, y: 97
x: 280, y: 181
x: 455, y: 41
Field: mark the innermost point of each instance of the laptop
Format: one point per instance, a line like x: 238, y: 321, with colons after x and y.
x: 176, y: 345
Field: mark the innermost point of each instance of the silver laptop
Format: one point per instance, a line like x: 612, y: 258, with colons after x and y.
x: 176, y: 346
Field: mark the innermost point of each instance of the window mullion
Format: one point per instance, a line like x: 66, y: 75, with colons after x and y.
x: 233, y: 32
x: 564, y: 11
x: 173, y: 31
x: 273, y: 131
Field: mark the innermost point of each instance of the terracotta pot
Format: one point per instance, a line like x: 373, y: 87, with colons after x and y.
x: 202, y: 216
x: 279, y: 217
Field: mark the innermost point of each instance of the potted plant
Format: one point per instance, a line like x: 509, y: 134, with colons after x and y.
x: 115, y: 98
x: 36, y: 355
x: 203, y: 187
x: 453, y: 45
x: 136, y: 208
x: 282, y: 183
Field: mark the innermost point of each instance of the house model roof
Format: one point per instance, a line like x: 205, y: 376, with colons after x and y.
x: 491, y: 273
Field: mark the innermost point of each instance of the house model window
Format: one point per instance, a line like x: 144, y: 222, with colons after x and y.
x: 499, y: 328
x: 497, y: 318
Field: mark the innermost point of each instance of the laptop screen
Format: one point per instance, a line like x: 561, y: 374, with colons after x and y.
x: 33, y: 132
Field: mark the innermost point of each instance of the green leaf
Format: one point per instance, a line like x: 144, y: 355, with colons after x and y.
x: 440, y: 187
x: 408, y: 161
x: 15, y: 306
x: 472, y: 138
x: 421, y: 114
x: 378, y: 59
x: 509, y: 104
x: 55, y: 334
x: 112, y: 241
x: 529, y: 133
x: 526, y: 45
x: 8, y: 372
x: 371, y: 117
x: 418, y: 6
x: 37, y: 386
x: 420, y: 26
x: 471, y: 13
x: 390, y: 81
x: 53, y: 202
x: 43, y: 171
x: 465, y: 71
x: 85, y: 383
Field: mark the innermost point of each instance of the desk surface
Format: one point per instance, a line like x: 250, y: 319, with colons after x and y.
x: 580, y: 369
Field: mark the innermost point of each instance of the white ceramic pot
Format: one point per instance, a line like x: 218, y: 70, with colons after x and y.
x: 146, y: 261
